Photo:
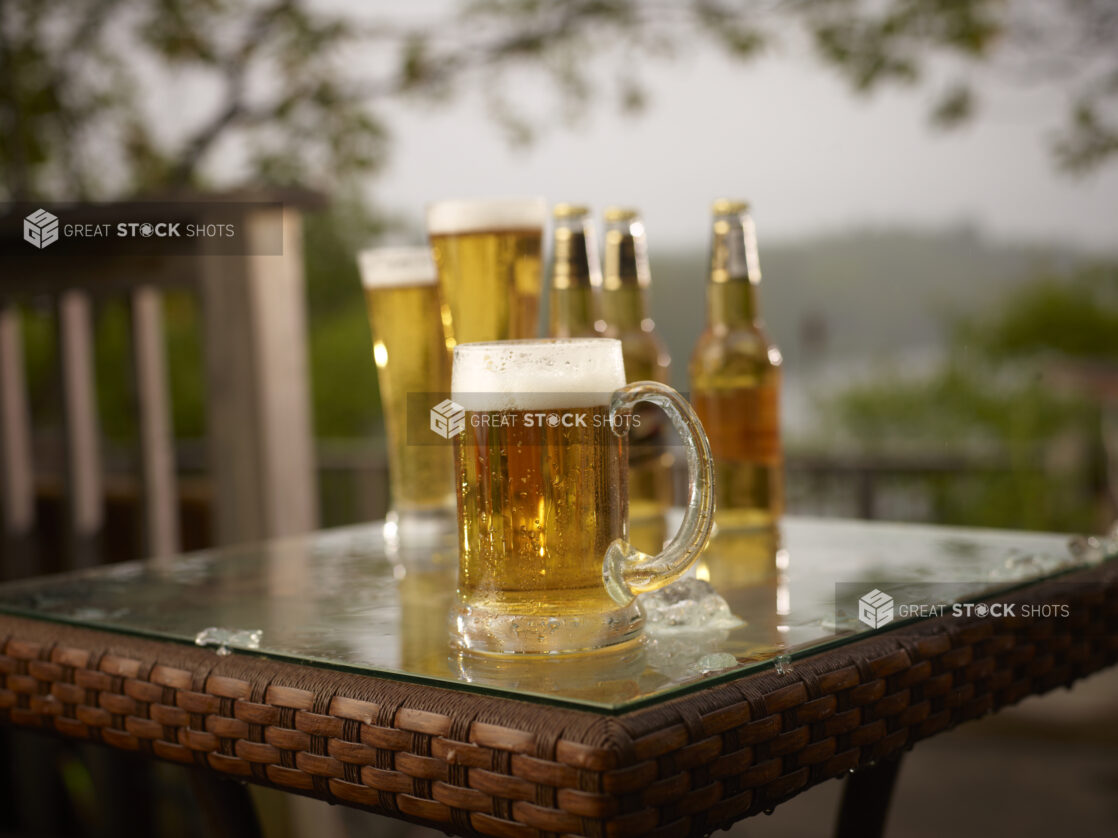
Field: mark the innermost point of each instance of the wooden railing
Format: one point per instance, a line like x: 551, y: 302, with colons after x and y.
x: 352, y: 486
x: 260, y: 457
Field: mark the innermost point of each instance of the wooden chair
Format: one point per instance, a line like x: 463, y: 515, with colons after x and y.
x: 259, y: 436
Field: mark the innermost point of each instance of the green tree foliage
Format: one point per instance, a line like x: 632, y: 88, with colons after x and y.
x: 1018, y: 391
x: 345, y: 396
x: 1076, y: 319
x: 78, y: 77
x: 283, y: 95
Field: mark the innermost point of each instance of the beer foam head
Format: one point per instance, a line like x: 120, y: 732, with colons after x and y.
x: 469, y: 216
x: 537, y: 374
x: 385, y: 267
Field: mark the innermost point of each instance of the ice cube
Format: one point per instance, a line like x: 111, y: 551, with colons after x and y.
x: 1091, y: 550
x: 223, y: 638
x: 715, y: 662
x: 686, y: 605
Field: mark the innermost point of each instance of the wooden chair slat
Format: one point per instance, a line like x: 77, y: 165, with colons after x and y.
x: 156, y: 433
x: 83, y: 446
x: 259, y: 421
x: 17, y: 484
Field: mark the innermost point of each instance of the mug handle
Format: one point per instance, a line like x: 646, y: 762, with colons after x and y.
x: 626, y: 570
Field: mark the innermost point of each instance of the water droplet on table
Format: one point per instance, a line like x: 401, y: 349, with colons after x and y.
x: 783, y: 664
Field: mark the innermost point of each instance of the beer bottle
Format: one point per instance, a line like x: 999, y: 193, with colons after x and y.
x: 576, y: 276
x: 735, y: 380
x: 625, y: 284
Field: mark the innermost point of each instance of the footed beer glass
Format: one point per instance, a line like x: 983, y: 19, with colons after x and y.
x: 545, y: 566
x: 410, y: 352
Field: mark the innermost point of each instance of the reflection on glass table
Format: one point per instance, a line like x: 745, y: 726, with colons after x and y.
x: 346, y: 599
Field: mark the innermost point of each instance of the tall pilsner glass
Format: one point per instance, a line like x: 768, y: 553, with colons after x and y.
x: 488, y: 257
x: 410, y: 352
x: 544, y: 561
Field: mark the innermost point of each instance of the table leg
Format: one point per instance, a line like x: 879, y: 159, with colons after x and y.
x: 122, y: 788
x: 33, y: 801
x: 865, y: 800
x: 226, y: 806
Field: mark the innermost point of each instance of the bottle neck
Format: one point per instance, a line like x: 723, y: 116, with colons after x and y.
x: 575, y: 262
x: 573, y: 312
x: 625, y: 307
x: 735, y: 271
x: 576, y: 277
x: 625, y: 278
x: 732, y: 303
x: 626, y: 256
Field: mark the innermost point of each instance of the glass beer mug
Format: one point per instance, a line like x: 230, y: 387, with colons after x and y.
x: 544, y: 562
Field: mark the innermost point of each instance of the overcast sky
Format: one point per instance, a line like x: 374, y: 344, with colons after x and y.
x: 784, y: 133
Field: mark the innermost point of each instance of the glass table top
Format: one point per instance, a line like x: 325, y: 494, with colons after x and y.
x: 347, y: 599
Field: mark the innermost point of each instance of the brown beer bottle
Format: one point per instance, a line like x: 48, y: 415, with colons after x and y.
x: 735, y: 380
x: 576, y: 276
x: 625, y: 285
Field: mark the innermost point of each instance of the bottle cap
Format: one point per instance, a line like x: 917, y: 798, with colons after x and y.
x: 729, y: 206
x: 621, y: 214
x: 570, y: 210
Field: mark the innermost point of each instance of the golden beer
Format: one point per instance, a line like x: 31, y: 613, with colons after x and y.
x: 735, y: 380
x: 563, y: 506
x: 574, y: 305
x: 489, y: 267
x: 625, y: 305
x: 544, y: 565
x: 411, y: 356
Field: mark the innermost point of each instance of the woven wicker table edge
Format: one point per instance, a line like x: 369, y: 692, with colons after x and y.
x: 484, y: 765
